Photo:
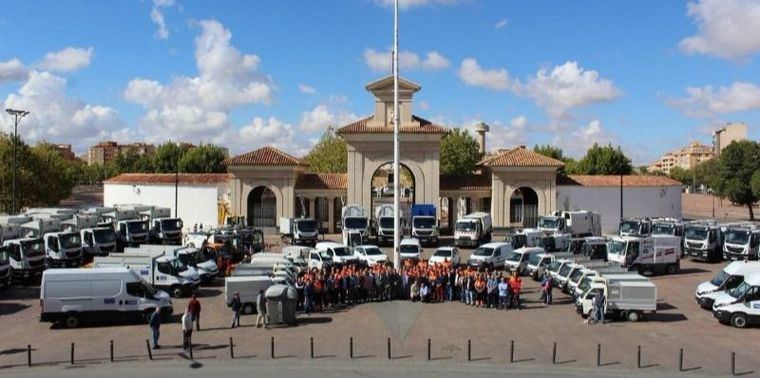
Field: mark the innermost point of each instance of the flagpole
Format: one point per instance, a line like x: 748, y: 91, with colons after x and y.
x: 396, y: 121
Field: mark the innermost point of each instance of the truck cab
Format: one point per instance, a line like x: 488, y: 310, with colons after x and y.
x: 635, y: 227
x: 490, y: 255
x: 131, y: 231
x: 63, y: 249
x: 299, y: 231
x: 98, y: 241
x: 731, y: 276
x: 741, y: 243
x: 704, y: 241
x: 473, y: 229
x: 740, y: 306
x: 384, y: 224
x: 425, y: 226
x: 27, y: 257
x: 595, y: 248
x: 166, y: 231
x: 5, y: 268
x: 205, y: 265
x: 354, y: 225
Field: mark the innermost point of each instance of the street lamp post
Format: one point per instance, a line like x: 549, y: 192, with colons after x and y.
x: 17, y: 116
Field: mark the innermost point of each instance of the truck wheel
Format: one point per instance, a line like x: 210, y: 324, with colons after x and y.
x: 177, y: 292
x: 671, y: 269
x: 633, y: 316
x: 248, y: 308
x: 71, y: 320
x: 739, y: 320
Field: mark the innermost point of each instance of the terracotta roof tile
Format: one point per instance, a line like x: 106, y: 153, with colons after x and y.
x: 169, y: 178
x: 520, y: 157
x: 614, y: 180
x: 361, y: 127
x: 474, y: 182
x: 322, y: 181
x: 265, y: 156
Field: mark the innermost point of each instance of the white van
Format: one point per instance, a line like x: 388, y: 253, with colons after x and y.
x: 339, y: 253
x: 248, y: 288
x: 740, y: 306
x: 490, y: 255
x: 319, y: 259
x: 70, y: 296
x: 730, y: 277
x: 518, y: 259
x: 410, y: 249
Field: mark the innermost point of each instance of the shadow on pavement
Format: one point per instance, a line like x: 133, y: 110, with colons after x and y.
x: 313, y: 320
x: 666, y: 318
x: 21, y: 292
x: 204, y: 293
x: 12, y: 308
x: 661, y: 306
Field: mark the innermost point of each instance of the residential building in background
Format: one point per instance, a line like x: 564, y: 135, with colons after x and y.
x: 65, y: 151
x: 686, y: 158
x: 106, y: 151
x: 733, y: 131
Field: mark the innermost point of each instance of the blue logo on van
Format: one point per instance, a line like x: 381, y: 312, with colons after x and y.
x: 109, y: 300
x: 144, y: 272
x: 756, y: 305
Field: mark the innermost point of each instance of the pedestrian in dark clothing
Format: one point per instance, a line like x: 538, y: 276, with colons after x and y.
x: 155, y: 324
x: 195, y: 308
x: 546, y: 285
x: 236, y: 305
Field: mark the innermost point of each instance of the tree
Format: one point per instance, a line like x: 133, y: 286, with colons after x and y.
x: 684, y: 176
x: 737, y: 165
x: 549, y: 151
x: 604, y: 160
x: 329, y: 155
x: 57, y: 173
x: 167, y: 156
x: 460, y: 153
x: 131, y: 161
x: 206, y: 158
x: 755, y: 183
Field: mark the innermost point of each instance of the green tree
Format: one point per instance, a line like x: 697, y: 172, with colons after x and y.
x: 736, y: 167
x: 57, y: 173
x: 684, y: 176
x: 167, y: 156
x: 604, y: 160
x: 206, y: 158
x: 706, y: 173
x: 329, y: 155
x: 131, y: 161
x: 460, y: 153
x: 550, y: 151
x: 755, y: 184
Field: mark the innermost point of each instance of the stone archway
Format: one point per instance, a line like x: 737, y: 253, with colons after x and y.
x: 381, y: 188
x: 262, y: 207
x: 523, y: 207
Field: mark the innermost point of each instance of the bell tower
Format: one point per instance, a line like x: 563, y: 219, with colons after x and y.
x: 382, y: 90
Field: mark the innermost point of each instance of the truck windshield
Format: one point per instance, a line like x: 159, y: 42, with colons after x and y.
x: 629, y: 226
x: 693, y: 233
x: 483, y: 251
x: 306, y: 225
x: 386, y: 222
x: 104, y: 235
x: 514, y: 257
x: 178, y: 265
x: 33, y: 248
x: 171, y: 225
x: 617, y: 247
x: 740, y: 290
x: 465, y: 226
x: 187, y: 258
x: 342, y: 251
x: 137, y: 227
x: 663, y: 229
x: 408, y: 248
x: 3, y: 256
x: 424, y: 222
x: 70, y: 241
x: 720, y: 278
x: 355, y: 223
x: 550, y: 223
x: 737, y: 237
x: 442, y: 253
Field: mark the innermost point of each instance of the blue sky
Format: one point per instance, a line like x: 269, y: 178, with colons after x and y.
x: 647, y: 75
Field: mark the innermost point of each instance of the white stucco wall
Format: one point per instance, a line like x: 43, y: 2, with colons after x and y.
x: 197, y: 203
x: 653, y: 201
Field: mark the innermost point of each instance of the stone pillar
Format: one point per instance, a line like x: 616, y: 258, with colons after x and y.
x: 312, y: 214
x: 331, y: 215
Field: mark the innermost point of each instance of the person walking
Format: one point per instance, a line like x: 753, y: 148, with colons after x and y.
x: 195, y: 308
x: 599, y: 306
x: 235, y: 305
x: 154, y: 322
x: 547, y: 285
x: 261, y: 309
x: 187, y: 329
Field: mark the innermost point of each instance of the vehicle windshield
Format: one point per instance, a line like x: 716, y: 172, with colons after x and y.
x: 629, y: 226
x: 33, y: 248
x: 576, y: 275
x: 483, y: 251
x: 386, y: 222
x: 408, y: 248
x: 585, y: 283
x: 617, y: 247
x: 740, y: 290
x: 148, y: 288
x: 3, y: 255
x: 514, y: 256
x: 465, y: 226
x: 342, y: 251
x: 171, y: 225
x: 325, y: 256
x: 307, y: 225
x: 720, y: 278
x: 442, y: 253
x: 534, y: 260
x: 355, y: 223
x: 575, y: 246
x: 663, y: 229
x: 137, y: 227
x: 565, y: 270
x: 200, y: 257
x: 424, y: 222
x: 178, y: 265
x: 737, y: 237
x: 554, y: 266
x: 104, y: 235
x: 186, y: 258
x: 70, y: 241
x: 548, y: 223
x: 372, y: 251
x: 517, y: 241
x: 594, y: 249
x: 694, y: 233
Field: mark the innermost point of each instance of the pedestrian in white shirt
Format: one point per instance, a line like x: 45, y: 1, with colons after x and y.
x: 187, y: 329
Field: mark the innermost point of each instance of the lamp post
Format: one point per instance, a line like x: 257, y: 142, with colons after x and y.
x: 17, y: 116
x: 621, y: 196
x: 176, y: 184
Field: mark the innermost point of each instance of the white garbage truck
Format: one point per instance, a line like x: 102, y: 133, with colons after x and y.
x: 655, y: 254
x: 299, y: 231
x: 162, y: 270
x: 130, y: 229
x: 629, y: 300
x: 578, y: 223
x: 25, y: 255
x: 473, y: 229
x: 703, y: 240
x: 62, y: 248
x: 355, y: 225
x: 97, y: 240
x: 741, y: 242
x: 384, y: 217
x: 425, y: 224
x: 164, y: 229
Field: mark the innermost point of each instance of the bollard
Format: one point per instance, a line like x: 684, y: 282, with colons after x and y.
x: 389, y: 348
x: 311, y: 347
x: 680, y: 359
x: 29, y: 355
x: 428, y: 349
x: 272, y: 347
x: 469, y: 350
x: 72, y: 353
x: 351, y: 347
x: 598, y: 355
x: 733, y: 363
x: 147, y: 345
x: 638, y: 357
x: 111, y: 350
x: 554, y: 354
x: 232, y: 349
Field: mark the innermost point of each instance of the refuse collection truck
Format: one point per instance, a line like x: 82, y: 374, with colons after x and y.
x: 629, y: 300
x: 473, y: 229
x: 648, y: 254
x: 355, y: 225
x: 384, y: 217
x: 704, y: 241
x: 425, y: 227
x: 300, y: 231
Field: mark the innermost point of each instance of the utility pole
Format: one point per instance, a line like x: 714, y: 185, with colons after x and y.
x: 621, y: 196
x: 396, y: 121
x: 17, y: 116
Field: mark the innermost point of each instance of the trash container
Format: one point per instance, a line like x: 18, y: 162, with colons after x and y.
x: 289, y: 306
x: 275, y: 295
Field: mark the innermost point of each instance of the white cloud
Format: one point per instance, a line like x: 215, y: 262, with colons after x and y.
x: 406, y: 4
x: 380, y: 61
x: 322, y: 116
x: 502, y: 136
x: 306, y: 89
x: 501, y: 23
x: 728, y: 29
x: 574, y: 141
x: 56, y: 117
x: 157, y: 16
x: 12, y: 70
x: 472, y: 74
x: 519, y: 122
x: 267, y: 132
x: 67, y: 60
x: 568, y: 86
x: 706, y: 101
x: 423, y: 105
x: 197, y: 108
